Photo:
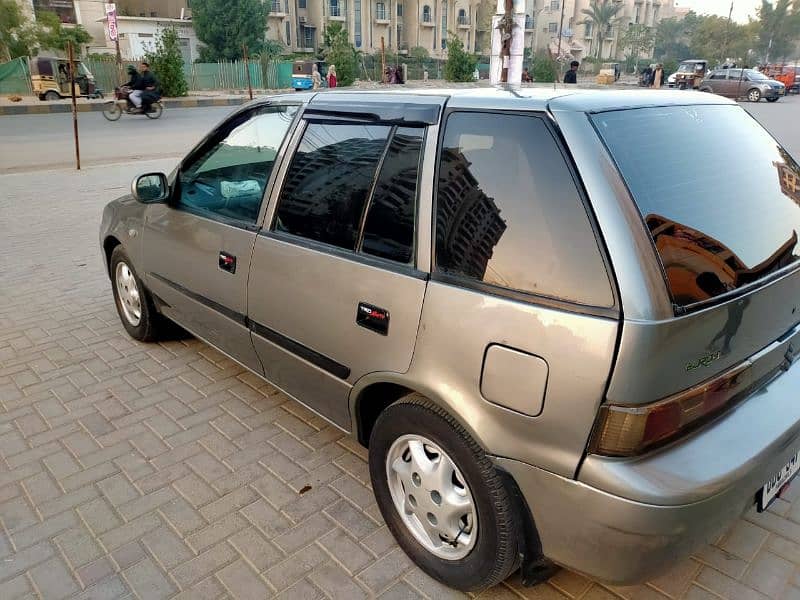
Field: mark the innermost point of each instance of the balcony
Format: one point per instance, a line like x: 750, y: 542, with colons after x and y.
x: 463, y: 22
x: 337, y: 12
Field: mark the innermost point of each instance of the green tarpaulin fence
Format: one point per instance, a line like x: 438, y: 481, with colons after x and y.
x: 15, y: 78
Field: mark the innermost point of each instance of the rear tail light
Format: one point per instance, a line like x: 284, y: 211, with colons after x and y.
x: 626, y: 430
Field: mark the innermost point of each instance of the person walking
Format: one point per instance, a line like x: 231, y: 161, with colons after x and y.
x: 571, y: 76
x: 332, y: 81
x: 658, y: 77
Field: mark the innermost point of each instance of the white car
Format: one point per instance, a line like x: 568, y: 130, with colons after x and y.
x: 672, y: 79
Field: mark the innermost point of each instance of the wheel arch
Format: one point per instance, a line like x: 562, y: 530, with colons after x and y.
x: 109, y: 243
x: 375, y: 392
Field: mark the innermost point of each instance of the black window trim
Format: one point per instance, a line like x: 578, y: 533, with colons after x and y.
x: 210, y: 139
x: 357, y: 255
x: 613, y: 312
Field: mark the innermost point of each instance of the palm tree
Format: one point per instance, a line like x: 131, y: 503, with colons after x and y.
x: 602, y: 14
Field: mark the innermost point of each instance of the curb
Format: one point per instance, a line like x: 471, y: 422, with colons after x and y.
x: 64, y: 107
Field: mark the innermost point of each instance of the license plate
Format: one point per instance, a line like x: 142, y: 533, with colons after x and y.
x: 777, y: 481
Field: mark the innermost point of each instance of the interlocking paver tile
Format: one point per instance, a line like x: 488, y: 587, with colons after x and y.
x: 241, y: 582
x: 148, y: 581
x: 204, y: 564
x: 336, y: 583
x: 302, y: 590
x: 252, y: 545
x: 78, y: 546
x: 53, y: 580
x: 383, y: 571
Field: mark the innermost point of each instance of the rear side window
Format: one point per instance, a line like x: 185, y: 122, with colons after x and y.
x: 722, y: 205
x: 354, y: 187
x: 509, y: 215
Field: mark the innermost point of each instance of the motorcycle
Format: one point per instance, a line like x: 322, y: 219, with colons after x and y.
x: 114, y: 108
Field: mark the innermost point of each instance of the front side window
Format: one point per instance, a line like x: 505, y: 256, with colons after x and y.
x: 723, y: 211
x: 354, y: 187
x: 508, y: 212
x: 227, y: 177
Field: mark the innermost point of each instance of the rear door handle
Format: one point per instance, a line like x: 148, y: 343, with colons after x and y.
x: 227, y: 262
x: 373, y: 318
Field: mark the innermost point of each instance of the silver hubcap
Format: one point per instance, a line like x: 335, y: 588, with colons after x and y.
x: 128, y: 293
x: 432, y: 497
x: 754, y: 96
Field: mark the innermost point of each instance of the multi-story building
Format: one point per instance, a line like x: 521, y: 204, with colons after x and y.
x: 398, y: 25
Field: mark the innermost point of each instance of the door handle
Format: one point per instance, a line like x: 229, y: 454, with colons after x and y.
x: 227, y: 262
x: 373, y: 318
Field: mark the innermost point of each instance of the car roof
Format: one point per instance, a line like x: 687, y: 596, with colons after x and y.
x: 558, y: 97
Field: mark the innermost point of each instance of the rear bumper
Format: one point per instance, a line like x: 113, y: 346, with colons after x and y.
x: 627, y: 520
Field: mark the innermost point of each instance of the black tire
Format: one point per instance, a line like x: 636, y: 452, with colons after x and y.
x: 51, y: 95
x: 754, y: 95
x: 682, y: 85
x: 151, y: 326
x: 772, y: 99
x: 495, y: 554
x: 156, y: 110
x: 707, y: 90
x: 112, y: 111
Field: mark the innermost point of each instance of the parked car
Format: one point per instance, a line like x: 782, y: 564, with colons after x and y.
x: 672, y: 80
x: 555, y: 350
x: 743, y: 83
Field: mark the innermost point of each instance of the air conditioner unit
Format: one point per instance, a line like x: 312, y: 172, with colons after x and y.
x: 302, y: 19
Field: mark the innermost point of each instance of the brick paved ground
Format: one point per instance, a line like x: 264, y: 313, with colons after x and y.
x: 150, y: 471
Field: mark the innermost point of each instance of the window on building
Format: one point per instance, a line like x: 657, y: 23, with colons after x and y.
x: 555, y: 4
x: 552, y: 28
x: 655, y: 14
x: 462, y: 17
x: 329, y: 188
x: 529, y: 22
x: 288, y: 34
x: 508, y: 214
x: 228, y: 175
x: 380, y: 11
x: 426, y: 14
x: 65, y: 11
x: 357, y: 25
x: 399, y: 10
x: 308, y: 37
x: 444, y: 24
x: 335, y: 9
x: 587, y: 29
x: 638, y: 14
x: 301, y: 3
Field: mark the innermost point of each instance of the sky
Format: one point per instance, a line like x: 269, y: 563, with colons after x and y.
x: 741, y: 8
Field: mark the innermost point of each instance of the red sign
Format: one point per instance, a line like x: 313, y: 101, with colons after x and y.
x: 111, y: 15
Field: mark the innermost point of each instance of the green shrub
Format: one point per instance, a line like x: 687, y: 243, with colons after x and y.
x: 166, y: 62
x: 460, y: 65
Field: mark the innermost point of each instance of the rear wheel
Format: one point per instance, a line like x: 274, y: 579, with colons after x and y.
x: 754, y: 95
x: 441, y: 496
x: 682, y: 85
x: 772, y: 99
x: 155, y: 111
x: 706, y: 89
x: 112, y: 111
x: 51, y: 96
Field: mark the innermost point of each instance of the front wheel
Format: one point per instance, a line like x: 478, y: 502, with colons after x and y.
x: 155, y: 111
x: 754, y: 95
x: 706, y: 89
x: 682, y: 85
x: 52, y: 96
x: 772, y: 99
x: 134, y: 304
x: 112, y: 111
x: 441, y: 497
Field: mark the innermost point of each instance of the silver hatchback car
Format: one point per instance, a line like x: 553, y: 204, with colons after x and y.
x: 556, y: 352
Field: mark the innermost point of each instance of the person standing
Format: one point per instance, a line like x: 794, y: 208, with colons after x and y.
x: 571, y: 76
x: 316, y: 78
x: 658, y: 76
x: 332, y: 81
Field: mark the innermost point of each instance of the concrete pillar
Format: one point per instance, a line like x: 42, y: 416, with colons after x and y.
x: 517, y: 45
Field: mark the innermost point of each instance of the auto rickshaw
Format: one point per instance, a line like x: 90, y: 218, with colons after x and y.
x: 301, y: 74
x: 787, y: 75
x: 691, y: 74
x: 50, y: 79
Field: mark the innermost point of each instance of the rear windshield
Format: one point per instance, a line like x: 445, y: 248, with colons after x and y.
x: 720, y: 197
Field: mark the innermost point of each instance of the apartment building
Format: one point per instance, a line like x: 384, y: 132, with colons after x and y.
x: 578, y: 38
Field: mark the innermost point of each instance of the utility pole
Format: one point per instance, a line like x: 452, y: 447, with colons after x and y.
x: 507, y: 29
x: 72, y: 66
x: 728, y: 32
x: 561, y: 29
x: 508, y: 42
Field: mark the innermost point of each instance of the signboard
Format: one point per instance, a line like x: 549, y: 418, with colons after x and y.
x: 111, y: 16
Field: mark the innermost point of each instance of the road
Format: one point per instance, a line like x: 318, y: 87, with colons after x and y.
x: 41, y: 142
x: 38, y: 142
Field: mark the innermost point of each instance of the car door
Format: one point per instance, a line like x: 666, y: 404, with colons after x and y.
x: 334, y: 290
x: 719, y: 82
x: 197, y: 247
x: 736, y: 83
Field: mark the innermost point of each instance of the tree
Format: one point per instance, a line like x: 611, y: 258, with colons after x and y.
x: 166, y: 62
x: 338, y: 51
x: 11, y: 23
x: 672, y: 38
x: 419, y: 53
x: 53, y: 35
x: 637, y: 40
x: 545, y: 69
x: 224, y: 25
x: 718, y: 39
x: 602, y: 14
x: 460, y: 64
x: 778, y: 29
